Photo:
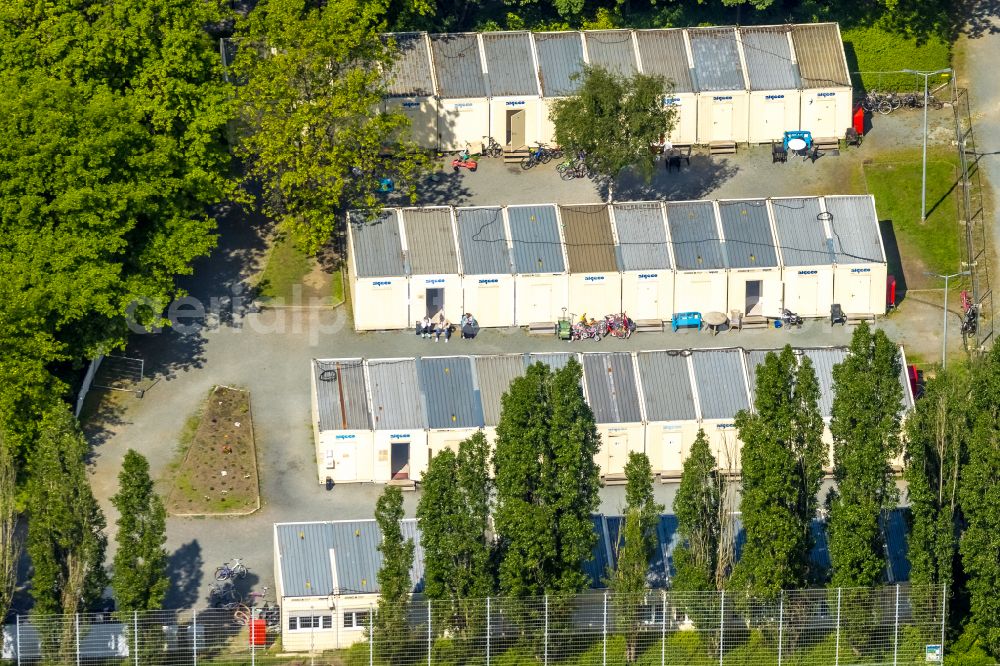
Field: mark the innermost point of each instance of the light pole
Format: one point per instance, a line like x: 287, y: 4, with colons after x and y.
x: 944, y: 341
x: 923, y: 184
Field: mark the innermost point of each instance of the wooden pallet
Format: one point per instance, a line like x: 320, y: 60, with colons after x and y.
x: 542, y: 328
x: 827, y: 143
x: 722, y: 148
x: 855, y: 319
x: 649, y: 326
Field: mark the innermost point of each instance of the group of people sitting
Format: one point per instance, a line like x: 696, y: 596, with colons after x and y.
x: 439, y: 326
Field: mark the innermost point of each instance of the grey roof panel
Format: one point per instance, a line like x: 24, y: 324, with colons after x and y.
x: 612, y: 390
x: 666, y: 386
x: 410, y: 73
x: 663, y: 52
x: 642, y: 236
x: 857, y: 238
x: 555, y: 360
x: 801, y: 233
x: 430, y: 241
x: 716, y: 59
x: 396, y: 398
x: 509, y: 63
x: 535, y: 235
x: 457, y: 65
x: 450, y: 392
x: 769, y: 59
x: 376, y: 245
x: 720, y: 382
x: 613, y: 50
x: 820, y: 55
x: 560, y: 56
x: 746, y: 226
x: 755, y: 357
x: 904, y: 381
x: 341, y: 394
x: 823, y: 361
x: 590, y: 245
x: 694, y: 236
x: 483, y: 240
x: 495, y: 373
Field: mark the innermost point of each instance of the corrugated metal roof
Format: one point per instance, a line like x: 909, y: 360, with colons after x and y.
x: 596, y: 567
x: 666, y: 386
x: 801, y: 234
x: 376, y: 246
x: 612, y: 391
x: 695, y: 236
x: 857, y: 238
x: 590, y: 245
x: 555, y: 360
x: 483, y: 240
x: 535, y: 235
x: 769, y: 58
x: 823, y: 361
x: 304, y: 553
x: 341, y: 394
x: 642, y: 236
x: 495, y: 373
x: 613, y: 50
x: 820, y: 55
x: 457, y: 65
x: 396, y: 399
x: 450, y: 392
x: 746, y: 226
x: 430, y: 241
x: 894, y: 528
x: 663, y: 52
x: 904, y: 381
x: 410, y: 73
x: 657, y: 575
x: 755, y: 357
x: 560, y: 56
x: 720, y: 382
x: 509, y: 63
x: 716, y: 59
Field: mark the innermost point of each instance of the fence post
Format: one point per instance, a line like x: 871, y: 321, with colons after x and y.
x: 135, y: 635
x: 604, y: 646
x: 371, y: 635
x: 17, y: 637
x: 836, y: 657
x: 663, y: 630
x: 895, y: 632
x: 76, y: 627
x: 429, y: 634
x: 781, y: 622
x: 722, y: 624
x: 545, y: 659
x: 944, y: 615
x: 194, y: 637
x: 488, y: 628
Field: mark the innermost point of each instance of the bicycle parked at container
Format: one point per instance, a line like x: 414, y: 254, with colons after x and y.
x: 540, y: 155
x: 491, y: 148
x: 576, y: 168
x: 223, y: 596
x: 226, y: 572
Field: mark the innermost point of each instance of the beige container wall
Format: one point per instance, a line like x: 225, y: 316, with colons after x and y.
x: 686, y: 125
x: 597, y: 294
x: 384, y: 439
x: 547, y: 129
x: 454, y: 305
x: 827, y: 112
x: 310, y: 640
x: 668, y: 445
x: 724, y: 443
x: 539, y: 297
x: 700, y: 291
x: 440, y: 439
x: 648, y: 294
x: 772, y: 113
x: 489, y: 298
x: 380, y: 303
x: 772, y: 290
x: 463, y: 122
x: 346, y: 456
x: 723, y: 116
x: 860, y: 289
x: 422, y: 113
x: 617, y: 441
x: 808, y: 290
x: 500, y: 107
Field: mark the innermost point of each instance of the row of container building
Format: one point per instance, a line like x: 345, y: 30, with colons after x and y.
x: 381, y: 420
x: 517, y: 265
x: 728, y: 84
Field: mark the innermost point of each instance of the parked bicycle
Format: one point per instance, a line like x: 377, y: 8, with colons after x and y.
x: 222, y: 596
x: 540, y: 155
x: 571, y: 169
x: 226, y: 572
x: 491, y: 148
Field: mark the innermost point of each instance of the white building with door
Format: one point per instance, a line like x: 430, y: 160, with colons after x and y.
x: 671, y: 414
x: 720, y: 75
x: 342, y: 427
x: 464, y: 97
x: 755, y: 286
x: 611, y: 386
x: 560, y: 57
x: 399, y: 419
x: 861, y: 271
x: 376, y: 272
x: 720, y: 382
x: 595, y: 279
x: 700, y: 278
x: 827, y: 97
x: 451, y: 395
x: 773, y: 74
x: 515, y: 94
x: 410, y: 86
x: 432, y: 256
x: 539, y: 264
x: 647, y: 267
x: 666, y: 53
x: 487, y: 269
x: 806, y: 251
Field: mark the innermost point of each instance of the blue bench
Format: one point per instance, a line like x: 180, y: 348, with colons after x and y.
x: 685, y: 319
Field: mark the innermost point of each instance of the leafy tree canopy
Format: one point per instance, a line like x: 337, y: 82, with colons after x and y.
x: 696, y: 505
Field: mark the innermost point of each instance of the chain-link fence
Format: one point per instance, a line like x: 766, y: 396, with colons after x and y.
x: 822, y: 627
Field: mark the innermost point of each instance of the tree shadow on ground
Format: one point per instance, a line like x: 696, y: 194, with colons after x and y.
x: 184, y: 569
x: 101, y: 417
x: 894, y: 259
x: 695, y: 181
x: 979, y: 15
x: 440, y: 188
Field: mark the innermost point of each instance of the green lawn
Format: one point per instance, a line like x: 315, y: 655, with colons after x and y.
x: 337, y: 287
x: 286, y: 266
x: 873, y: 49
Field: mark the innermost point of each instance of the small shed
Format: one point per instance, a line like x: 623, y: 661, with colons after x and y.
x: 410, y: 86
x: 827, y: 96
x: 671, y: 417
x: 342, y: 425
x: 860, y: 274
x: 451, y: 393
x: 432, y: 253
x: 487, y: 271
x: 775, y: 100
x: 399, y: 419
x: 647, y: 270
x: 515, y: 96
x: 720, y: 78
x: 494, y: 375
x: 560, y: 56
x: 595, y: 283
x: 665, y: 53
x: 539, y: 265
x: 611, y: 386
x: 720, y: 380
x: 464, y: 107
x: 376, y: 272
x: 806, y: 255
x: 755, y: 286
x: 700, y: 282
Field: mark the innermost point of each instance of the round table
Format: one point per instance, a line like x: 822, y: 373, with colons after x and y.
x: 795, y: 145
x: 714, y: 320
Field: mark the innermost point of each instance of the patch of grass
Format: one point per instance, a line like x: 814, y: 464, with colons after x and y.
x: 875, y: 49
x: 286, y: 266
x: 337, y: 284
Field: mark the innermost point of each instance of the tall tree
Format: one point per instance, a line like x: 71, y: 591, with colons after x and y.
x: 10, y: 540
x: 614, y: 121
x: 697, y: 507
x: 782, y: 466
x: 865, y: 423
x: 394, y: 579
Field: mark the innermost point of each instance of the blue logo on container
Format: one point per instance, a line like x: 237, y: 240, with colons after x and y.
x: 722, y: 98
x: 826, y: 94
x: 343, y: 436
x: 411, y: 105
x: 671, y: 101
x: 516, y: 102
x: 489, y: 281
x: 861, y: 270
x: 434, y: 281
x: 400, y: 436
x: 725, y: 426
x: 808, y: 272
x: 594, y: 278
x: 774, y: 97
x: 381, y: 283
x: 463, y: 105
x: 648, y: 276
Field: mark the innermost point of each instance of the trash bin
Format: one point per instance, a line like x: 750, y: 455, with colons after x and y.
x: 859, y: 120
x: 258, y: 632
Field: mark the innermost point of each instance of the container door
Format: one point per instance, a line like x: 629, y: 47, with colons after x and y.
x: 673, y: 450
x: 647, y: 303
x: 774, y: 297
x: 515, y: 129
x: 540, y: 302
x: 722, y: 121
x: 346, y: 468
x: 399, y: 461
x: 754, y: 304
x: 617, y: 447
x: 435, y: 301
x: 806, y: 293
x: 774, y: 119
x: 859, y: 297
x: 826, y: 117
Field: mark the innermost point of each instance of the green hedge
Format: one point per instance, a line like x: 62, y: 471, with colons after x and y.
x: 873, y: 49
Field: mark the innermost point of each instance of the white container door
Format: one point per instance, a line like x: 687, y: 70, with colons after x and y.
x: 859, y: 297
x: 774, y: 296
x: 647, y: 300
x: 826, y: 117
x: 722, y: 121
x: 617, y: 450
x: 673, y: 450
x: 806, y: 293
x: 345, y: 465
x: 539, y: 302
x: 773, y: 120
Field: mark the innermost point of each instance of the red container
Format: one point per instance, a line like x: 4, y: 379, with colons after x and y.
x: 258, y: 632
x: 890, y: 291
x: 859, y: 120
